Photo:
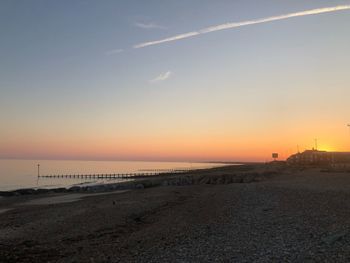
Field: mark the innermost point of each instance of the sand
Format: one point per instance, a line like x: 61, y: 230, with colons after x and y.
x: 292, y: 216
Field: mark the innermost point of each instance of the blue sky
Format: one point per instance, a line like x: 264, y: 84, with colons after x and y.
x: 63, y: 79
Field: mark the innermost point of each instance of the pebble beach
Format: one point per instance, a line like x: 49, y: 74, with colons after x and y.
x: 279, y: 214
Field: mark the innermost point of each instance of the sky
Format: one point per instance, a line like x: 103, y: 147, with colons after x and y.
x: 194, y: 80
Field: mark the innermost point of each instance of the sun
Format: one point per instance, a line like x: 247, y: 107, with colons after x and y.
x: 327, y: 148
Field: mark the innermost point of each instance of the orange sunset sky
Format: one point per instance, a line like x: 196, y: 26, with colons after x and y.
x: 126, y: 80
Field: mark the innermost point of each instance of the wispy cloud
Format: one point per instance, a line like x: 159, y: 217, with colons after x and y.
x: 150, y: 25
x: 162, y: 77
x: 243, y: 23
x: 114, y: 51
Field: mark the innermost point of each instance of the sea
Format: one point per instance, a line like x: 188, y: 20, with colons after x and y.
x: 18, y: 174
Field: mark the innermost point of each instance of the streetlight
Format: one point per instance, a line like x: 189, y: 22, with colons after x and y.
x: 316, y: 144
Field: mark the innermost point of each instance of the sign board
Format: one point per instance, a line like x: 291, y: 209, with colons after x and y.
x: 275, y: 155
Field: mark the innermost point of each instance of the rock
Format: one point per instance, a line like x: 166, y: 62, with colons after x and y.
x: 74, y: 189
x: 249, y: 177
x: 139, y: 186
x: 331, y: 239
x: 220, y: 180
x: 185, y: 181
x: 59, y: 190
x: 237, y: 179
x: 204, y: 180
x: 197, y: 179
x: 108, y: 187
x: 6, y: 193
x: 227, y: 178
x: 212, y: 180
x: 42, y: 191
x: 146, y: 184
x: 99, y: 188
x: 28, y: 191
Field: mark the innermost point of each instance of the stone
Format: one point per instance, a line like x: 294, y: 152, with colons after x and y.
x: 6, y: 193
x: 139, y: 186
x: 42, y: 191
x: 74, y: 188
x: 165, y: 183
x: 28, y: 191
x: 331, y: 239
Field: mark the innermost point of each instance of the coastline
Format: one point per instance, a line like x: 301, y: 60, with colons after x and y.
x: 287, y: 215
x: 19, y: 174
x: 183, y: 178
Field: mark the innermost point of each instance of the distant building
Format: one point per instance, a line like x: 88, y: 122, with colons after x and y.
x: 315, y: 157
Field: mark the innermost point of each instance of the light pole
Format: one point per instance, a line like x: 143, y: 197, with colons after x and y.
x: 316, y: 144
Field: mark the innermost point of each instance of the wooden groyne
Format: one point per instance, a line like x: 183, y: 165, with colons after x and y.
x: 166, y: 170
x: 116, y: 175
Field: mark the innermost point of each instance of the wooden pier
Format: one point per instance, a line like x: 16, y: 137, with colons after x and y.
x: 116, y: 175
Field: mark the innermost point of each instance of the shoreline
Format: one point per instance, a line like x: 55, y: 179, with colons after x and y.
x: 261, y: 213
x: 48, y: 180
x: 184, y: 178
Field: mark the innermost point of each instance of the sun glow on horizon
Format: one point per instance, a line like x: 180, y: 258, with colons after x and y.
x: 238, y: 94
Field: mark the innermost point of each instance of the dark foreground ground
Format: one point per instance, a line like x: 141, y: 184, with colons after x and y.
x: 294, y: 216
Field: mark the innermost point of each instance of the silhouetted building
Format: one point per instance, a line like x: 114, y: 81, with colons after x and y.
x: 315, y: 157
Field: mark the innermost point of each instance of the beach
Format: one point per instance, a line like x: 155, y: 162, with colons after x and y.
x: 253, y: 213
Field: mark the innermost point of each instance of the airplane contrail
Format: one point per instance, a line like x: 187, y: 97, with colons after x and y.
x: 243, y: 23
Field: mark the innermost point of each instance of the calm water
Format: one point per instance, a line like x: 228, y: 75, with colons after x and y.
x: 15, y: 174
